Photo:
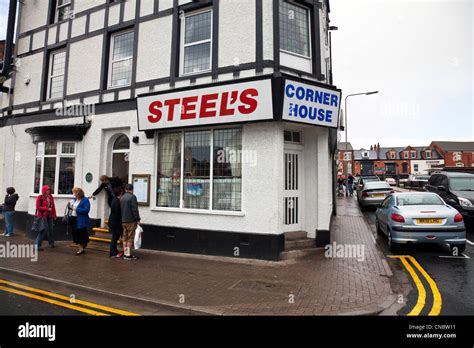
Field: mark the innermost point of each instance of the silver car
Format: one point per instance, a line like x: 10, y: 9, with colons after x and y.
x: 373, y: 193
x: 420, y: 217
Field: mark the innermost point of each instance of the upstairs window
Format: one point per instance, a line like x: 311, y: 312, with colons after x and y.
x: 196, y: 42
x: 63, y: 10
x: 56, y: 72
x: 405, y: 154
x: 413, y: 154
x: 428, y: 153
x: 121, y: 59
x: 294, y: 29
x: 392, y: 155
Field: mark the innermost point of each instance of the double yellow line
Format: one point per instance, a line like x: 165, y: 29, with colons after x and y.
x: 421, y: 302
x: 58, y: 300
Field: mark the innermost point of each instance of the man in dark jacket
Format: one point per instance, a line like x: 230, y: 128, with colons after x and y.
x: 9, y: 210
x: 107, y: 184
x: 130, y: 220
x: 115, y: 222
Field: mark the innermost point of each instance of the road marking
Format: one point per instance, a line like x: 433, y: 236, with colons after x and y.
x: 54, y: 302
x: 373, y: 238
x: 437, y: 300
x: 469, y: 242
x: 464, y: 256
x: 66, y: 298
x: 421, y: 301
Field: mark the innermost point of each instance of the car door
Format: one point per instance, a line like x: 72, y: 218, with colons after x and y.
x: 382, y: 213
x: 443, y: 181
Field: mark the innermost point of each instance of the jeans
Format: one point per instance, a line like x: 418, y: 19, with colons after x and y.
x: 8, y: 215
x: 50, y: 230
x: 351, y: 189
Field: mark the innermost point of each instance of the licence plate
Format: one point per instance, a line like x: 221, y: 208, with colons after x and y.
x: 378, y: 195
x: 429, y: 221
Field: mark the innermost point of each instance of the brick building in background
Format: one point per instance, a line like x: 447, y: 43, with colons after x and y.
x: 2, y: 48
x: 455, y: 153
x: 341, y: 159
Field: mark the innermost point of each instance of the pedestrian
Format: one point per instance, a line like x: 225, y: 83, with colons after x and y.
x: 115, y: 222
x: 108, y: 185
x: 130, y: 220
x: 350, y: 183
x: 46, y: 210
x: 80, y: 221
x: 9, y: 210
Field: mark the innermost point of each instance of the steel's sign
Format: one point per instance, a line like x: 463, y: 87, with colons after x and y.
x: 310, y: 104
x: 238, y: 102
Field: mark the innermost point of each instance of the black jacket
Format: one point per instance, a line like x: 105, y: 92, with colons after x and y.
x: 115, y: 217
x: 10, y: 202
x: 109, y: 187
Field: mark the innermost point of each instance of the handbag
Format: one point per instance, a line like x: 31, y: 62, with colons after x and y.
x: 39, y: 224
x: 67, y: 216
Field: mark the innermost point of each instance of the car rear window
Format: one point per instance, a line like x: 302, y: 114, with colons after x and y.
x: 377, y: 185
x: 418, y: 199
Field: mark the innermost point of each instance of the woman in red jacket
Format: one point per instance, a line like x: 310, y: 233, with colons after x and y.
x: 46, y: 210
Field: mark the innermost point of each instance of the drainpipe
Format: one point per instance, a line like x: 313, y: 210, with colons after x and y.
x: 7, y: 58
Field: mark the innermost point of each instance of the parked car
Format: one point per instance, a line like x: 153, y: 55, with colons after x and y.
x: 391, y: 181
x: 364, y: 179
x: 457, y: 190
x: 420, y: 217
x: 373, y: 193
x: 417, y: 182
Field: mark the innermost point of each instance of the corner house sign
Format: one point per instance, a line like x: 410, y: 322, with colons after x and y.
x: 311, y: 104
x: 228, y: 103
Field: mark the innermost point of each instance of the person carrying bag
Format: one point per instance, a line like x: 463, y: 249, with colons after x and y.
x: 45, y: 217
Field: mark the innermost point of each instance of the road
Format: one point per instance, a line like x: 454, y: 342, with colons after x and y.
x: 453, y: 276
x: 22, y: 295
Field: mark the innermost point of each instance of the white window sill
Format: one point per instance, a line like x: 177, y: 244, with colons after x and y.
x: 296, y: 54
x: 199, y: 211
x: 55, y: 196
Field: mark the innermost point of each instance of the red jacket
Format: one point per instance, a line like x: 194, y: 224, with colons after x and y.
x: 42, y: 205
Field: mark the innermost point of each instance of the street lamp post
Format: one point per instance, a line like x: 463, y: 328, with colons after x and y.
x: 345, y: 125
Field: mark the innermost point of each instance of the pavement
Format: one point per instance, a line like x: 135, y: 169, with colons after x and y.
x: 197, y: 285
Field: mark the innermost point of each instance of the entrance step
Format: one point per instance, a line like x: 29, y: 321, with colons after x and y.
x: 299, y: 244
x: 295, y: 235
x: 296, y: 254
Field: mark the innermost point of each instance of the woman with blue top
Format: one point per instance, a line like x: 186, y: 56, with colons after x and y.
x: 79, y: 209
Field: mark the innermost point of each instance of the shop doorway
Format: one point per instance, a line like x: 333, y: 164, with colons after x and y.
x: 120, y: 158
x: 293, y: 197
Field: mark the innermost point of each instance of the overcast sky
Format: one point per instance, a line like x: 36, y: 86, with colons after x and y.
x: 418, y: 54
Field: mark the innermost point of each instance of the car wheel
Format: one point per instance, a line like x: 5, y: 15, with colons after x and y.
x: 458, y: 248
x: 392, y: 246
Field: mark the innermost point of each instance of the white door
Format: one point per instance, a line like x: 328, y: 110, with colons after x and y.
x: 293, y: 198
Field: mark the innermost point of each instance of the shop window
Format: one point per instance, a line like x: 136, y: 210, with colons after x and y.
x: 55, y: 166
x: 294, y: 29
x: 200, y: 170
x: 196, y: 42
x: 56, y: 74
x: 121, y: 59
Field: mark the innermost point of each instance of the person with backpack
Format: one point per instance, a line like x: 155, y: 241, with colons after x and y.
x: 9, y: 210
x: 115, y: 222
x: 80, y: 208
x: 45, y: 211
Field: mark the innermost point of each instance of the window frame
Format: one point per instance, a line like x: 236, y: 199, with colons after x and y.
x: 428, y: 154
x: 111, y: 54
x: 51, y: 76
x: 413, y: 154
x: 310, y: 38
x: 59, y: 154
x: 58, y: 8
x: 181, y: 207
x: 183, y: 45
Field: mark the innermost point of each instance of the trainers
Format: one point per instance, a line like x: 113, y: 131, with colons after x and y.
x: 120, y: 254
x: 130, y: 258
